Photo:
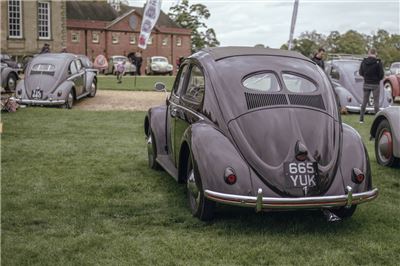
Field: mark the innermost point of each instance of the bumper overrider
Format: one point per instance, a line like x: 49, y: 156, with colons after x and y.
x: 38, y: 102
x: 259, y: 202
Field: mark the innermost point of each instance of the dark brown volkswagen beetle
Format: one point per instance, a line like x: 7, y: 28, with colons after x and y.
x: 258, y: 128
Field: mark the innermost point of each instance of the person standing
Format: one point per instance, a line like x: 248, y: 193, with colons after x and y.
x: 45, y: 49
x: 139, y: 61
x: 319, y: 58
x: 120, y: 70
x: 371, y: 69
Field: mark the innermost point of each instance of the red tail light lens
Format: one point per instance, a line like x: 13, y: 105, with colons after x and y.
x: 230, y: 176
x: 357, y: 176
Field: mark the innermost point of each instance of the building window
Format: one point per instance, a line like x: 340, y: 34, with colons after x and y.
x: 115, y: 38
x: 14, y: 19
x: 44, y: 20
x: 178, y: 41
x: 75, y: 36
x: 132, y: 39
x: 95, y: 37
x: 150, y: 40
x: 165, y: 41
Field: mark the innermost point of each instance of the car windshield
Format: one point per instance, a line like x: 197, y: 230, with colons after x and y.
x: 159, y: 60
x: 395, y: 65
x: 351, y: 67
x: 120, y: 58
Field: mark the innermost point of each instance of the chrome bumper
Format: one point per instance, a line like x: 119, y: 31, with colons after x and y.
x: 369, y: 109
x: 38, y: 102
x: 260, y: 202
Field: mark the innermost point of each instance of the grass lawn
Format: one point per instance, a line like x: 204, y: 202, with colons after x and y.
x: 76, y: 190
x: 143, y: 83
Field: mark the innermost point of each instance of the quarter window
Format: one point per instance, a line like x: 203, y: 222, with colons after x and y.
x: 72, y: 68
x: 44, y: 20
x: 264, y: 82
x: 195, y: 89
x: 14, y: 19
x: 179, y: 85
x: 298, y: 84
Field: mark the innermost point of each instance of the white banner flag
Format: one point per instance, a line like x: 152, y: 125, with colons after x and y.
x: 150, y: 16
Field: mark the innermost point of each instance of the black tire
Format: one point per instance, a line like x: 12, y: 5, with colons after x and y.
x: 11, y: 83
x: 152, y: 151
x: 93, y: 89
x: 170, y: 73
x: 344, y: 212
x: 69, y: 101
x: 384, y: 145
x: 199, y: 205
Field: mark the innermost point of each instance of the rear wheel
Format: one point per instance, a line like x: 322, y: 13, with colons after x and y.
x: 69, y: 101
x: 93, y: 89
x: 384, y: 145
x: 200, y: 206
x: 345, y: 212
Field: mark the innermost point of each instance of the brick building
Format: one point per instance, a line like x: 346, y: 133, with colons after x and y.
x: 96, y: 27
x: 27, y: 25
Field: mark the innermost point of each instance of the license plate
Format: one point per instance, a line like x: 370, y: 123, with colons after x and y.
x: 37, y: 94
x: 300, y: 174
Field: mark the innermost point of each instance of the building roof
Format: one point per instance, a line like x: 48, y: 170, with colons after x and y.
x: 100, y: 10
x: 91, y: 10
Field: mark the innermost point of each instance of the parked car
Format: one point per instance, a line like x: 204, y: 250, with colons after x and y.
x: 348, y: 85
x: 56, y: 79
x: 386, y: 131
x: 4, y: 58
x: 9, y: 77
x: 113, y: 61
x: 158, y: 65
x: 392, y: 81
x: 259, y: 128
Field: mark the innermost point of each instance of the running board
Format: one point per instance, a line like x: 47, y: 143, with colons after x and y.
x: 166, y: 163
x: 83, y: 95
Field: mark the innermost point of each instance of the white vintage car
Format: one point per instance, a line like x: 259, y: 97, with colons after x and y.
x: 158, y: 65
x: 113, y: 61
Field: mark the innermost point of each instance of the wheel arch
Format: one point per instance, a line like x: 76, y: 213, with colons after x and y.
x: 155, y: 119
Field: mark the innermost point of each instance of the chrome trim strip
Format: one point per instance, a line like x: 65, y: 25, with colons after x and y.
x: 38, y: 102
x: 292, y: 203
x: 187, y: 109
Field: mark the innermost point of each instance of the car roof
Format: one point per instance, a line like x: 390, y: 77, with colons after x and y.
x: 219, y: 53
x: 53, y: 58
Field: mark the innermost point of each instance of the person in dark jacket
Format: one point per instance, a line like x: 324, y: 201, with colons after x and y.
x: 319, y: 58
x: 45, y: 49
x: 371, y: 70
x: 139, y: 61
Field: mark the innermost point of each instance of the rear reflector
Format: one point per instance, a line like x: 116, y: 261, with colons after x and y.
x: 357, y: 176
x: 230, y: 176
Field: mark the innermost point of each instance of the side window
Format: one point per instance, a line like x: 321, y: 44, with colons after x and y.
x: 78, y: 65
x: 180, y: 79
x: 72, y: 68
x: 195, y: 88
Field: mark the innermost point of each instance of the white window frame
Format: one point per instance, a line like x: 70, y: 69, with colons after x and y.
x: 19, y: 19
x: 178, y: 41
x: 115, y: 38
x: 132, y: 38
x: 150, y: 40
x: 164, y: 41
x: 95, y: 37
x: 48, y: 4
x: 77, y: 34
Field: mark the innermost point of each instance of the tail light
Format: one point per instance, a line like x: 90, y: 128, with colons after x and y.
x: 357, y: 176
x: 230, y: 176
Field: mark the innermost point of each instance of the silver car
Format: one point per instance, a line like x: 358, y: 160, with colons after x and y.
x: 158, y: 65
x: 113, y: 61
x: 56, y: 79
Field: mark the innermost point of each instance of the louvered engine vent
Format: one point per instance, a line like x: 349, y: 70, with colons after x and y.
x: 315, y: 101
x: 256, y: 100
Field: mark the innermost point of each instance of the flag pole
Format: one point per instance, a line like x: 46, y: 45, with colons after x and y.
x: 293, y: 24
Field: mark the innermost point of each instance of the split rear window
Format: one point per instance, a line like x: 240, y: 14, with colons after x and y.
x: 264, y: 82
x: 298, y: 84
x: 43, y: 67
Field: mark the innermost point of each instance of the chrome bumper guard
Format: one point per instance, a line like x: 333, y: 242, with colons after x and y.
x: 38, y: 102
x: 259, y: 202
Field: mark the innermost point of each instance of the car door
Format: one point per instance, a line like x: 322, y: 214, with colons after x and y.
x: 190, y: 105
x: 76, y: 77
x: 173, y: 109
x: 80, y: 82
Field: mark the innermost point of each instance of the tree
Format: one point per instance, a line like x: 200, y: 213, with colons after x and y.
x: 193, y: 17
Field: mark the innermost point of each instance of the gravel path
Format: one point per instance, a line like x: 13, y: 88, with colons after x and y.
x: 106, y: 100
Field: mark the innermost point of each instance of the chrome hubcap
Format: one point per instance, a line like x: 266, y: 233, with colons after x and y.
x: 70, y: 99
x: 385, y: 146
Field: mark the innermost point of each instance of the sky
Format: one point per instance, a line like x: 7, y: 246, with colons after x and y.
x: 267, y: 22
